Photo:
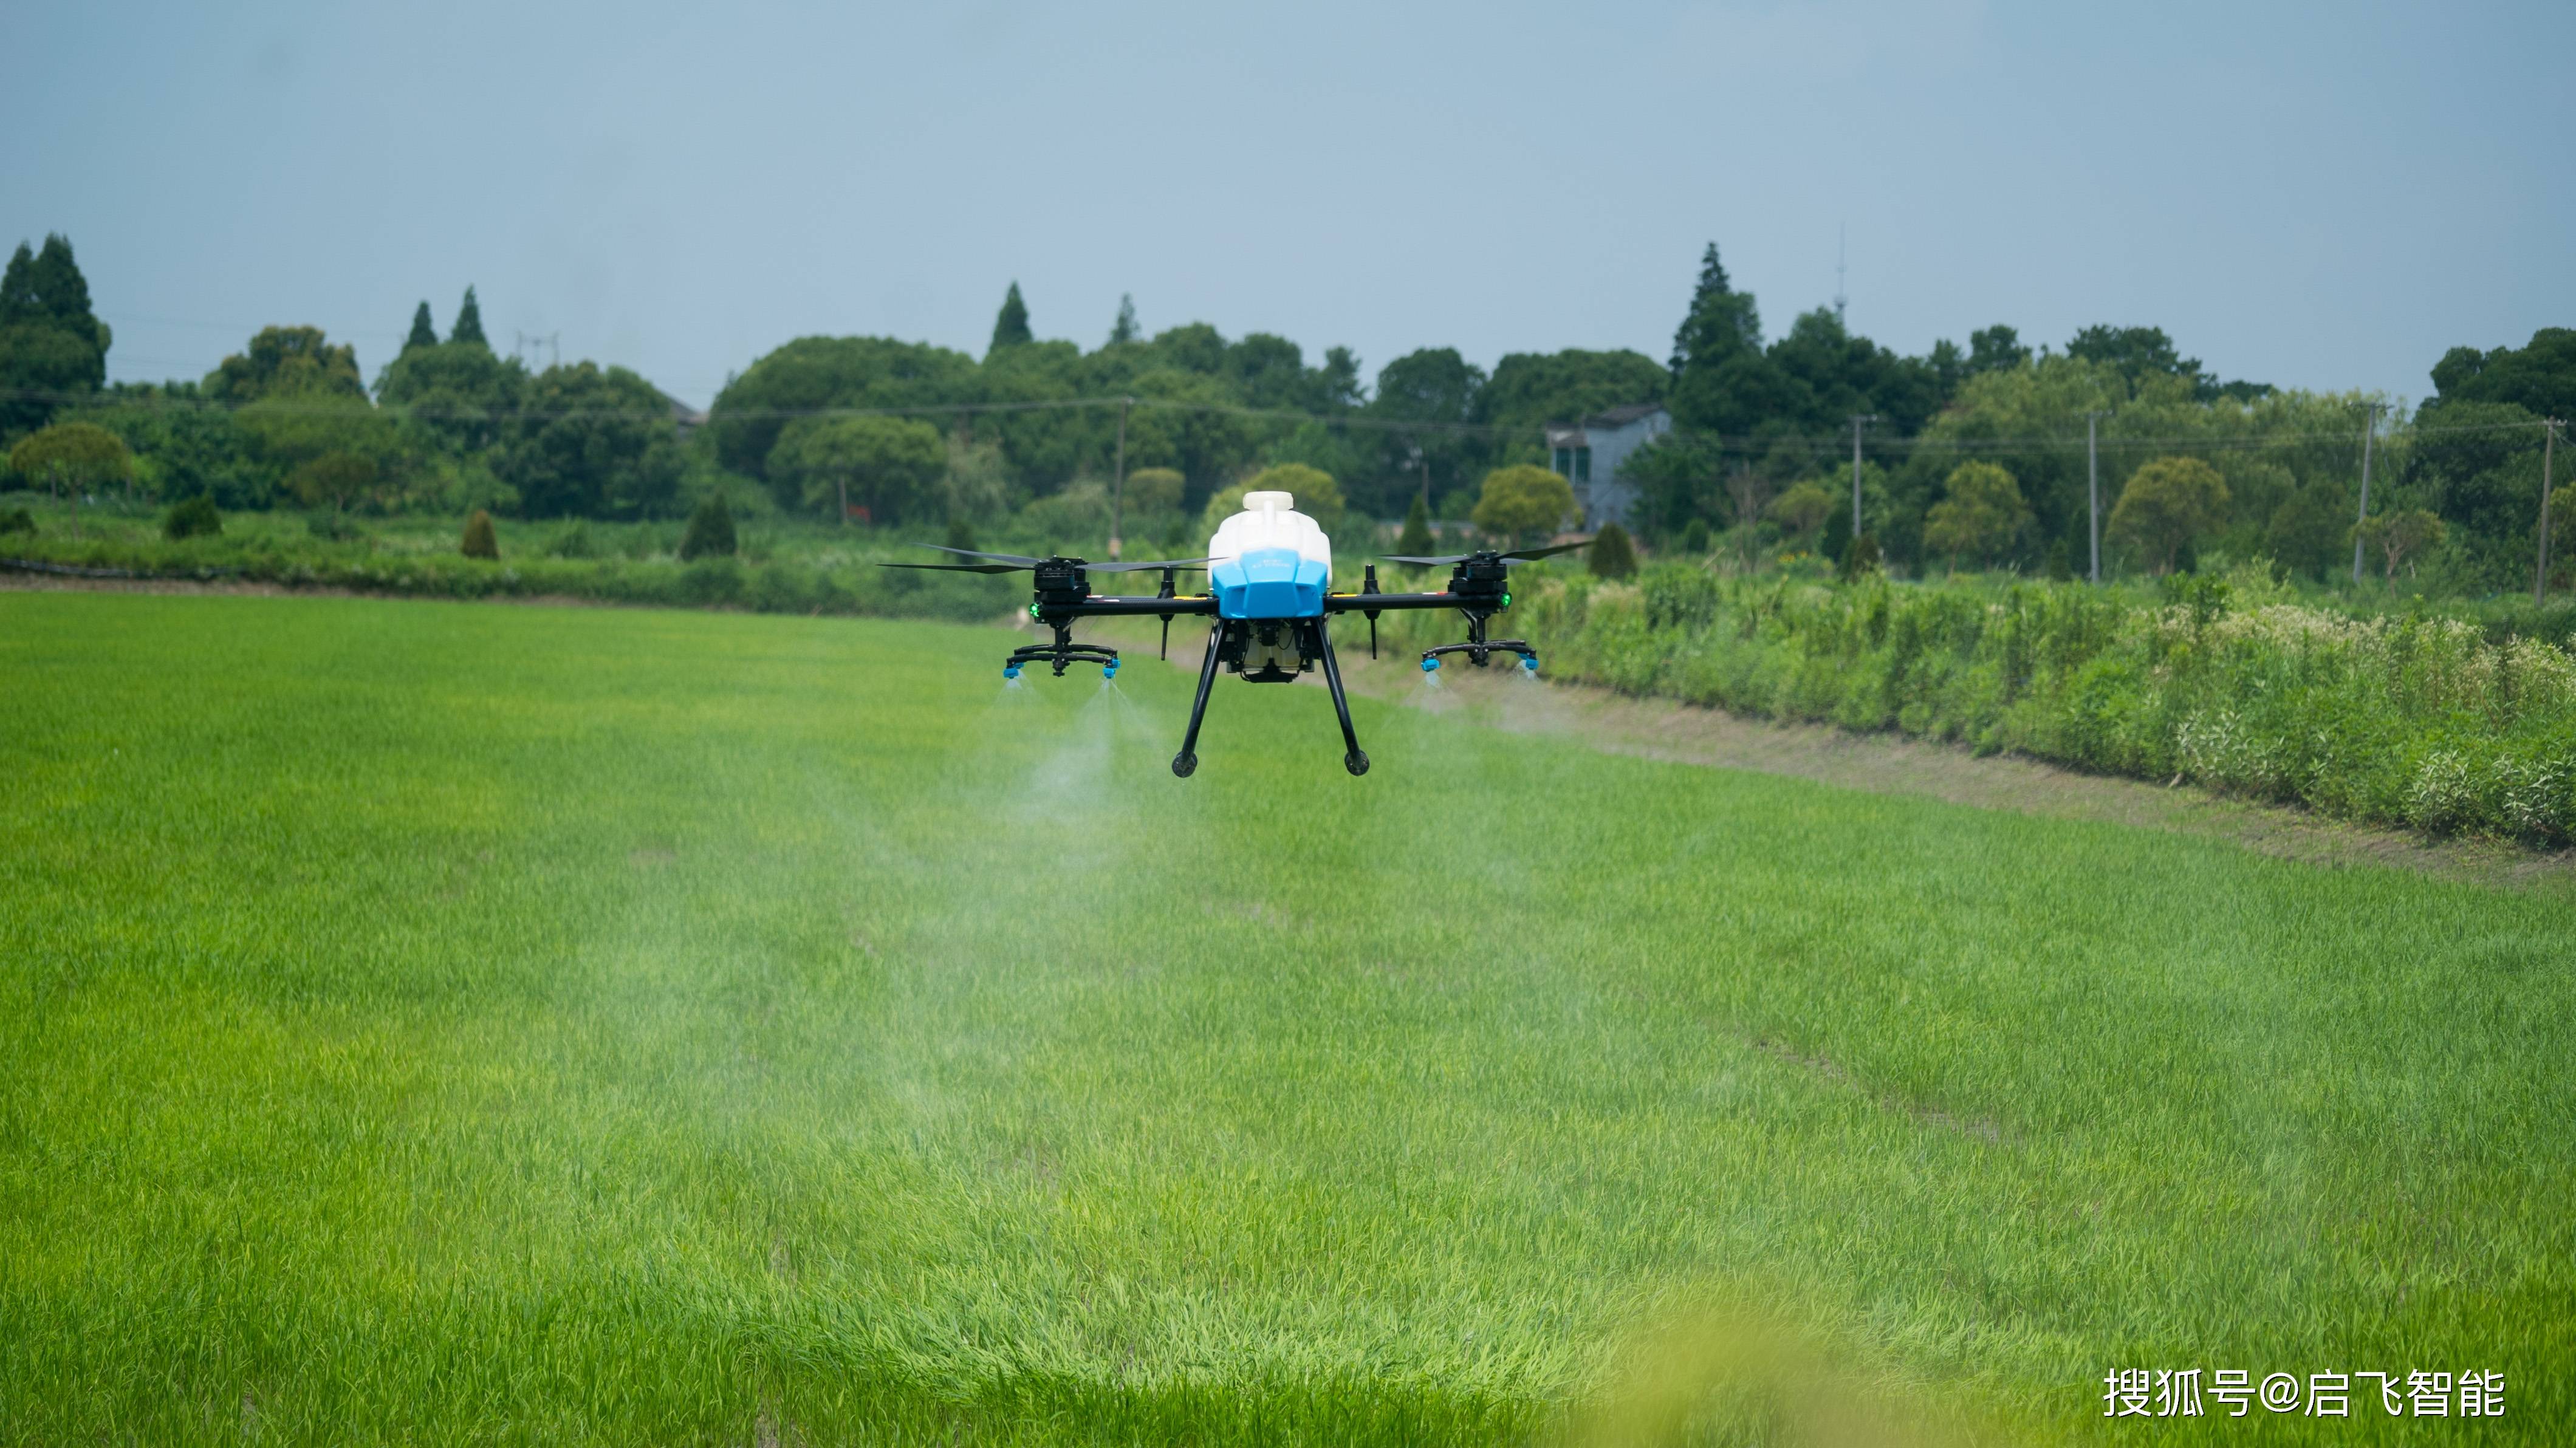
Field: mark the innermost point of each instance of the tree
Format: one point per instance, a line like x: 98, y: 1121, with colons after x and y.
x: 1318, y: 496
x: 2539, y: 377
x: 591, y: 443
x: 195, y: 517
x: 53, y: 349
x: 2135, y: 351
x: 1799, y: 510
x: 814, y: 374
x: 2400, y: 535
x: 1611, y: 554
x: 1522, y: 500
x: 1011, y: 325
x: 334, y: 478
x: 1994, y: 349
x: 480, y: 540
x: 1720, y: 323
x: 1531, y: 389
x: 2141, y: 352
x: 1154, y: 490
x: 710, y: 530
x: 1416, y: 538
x: 468, y: 330
x: 2307, y: 529
x: 1122, y: 332
x: 2169, y: 503
x: 73, y: 456
x: 1440, y: 389
x: 456, y: 394
x: 422, y: 333
x: 1981, y: 515
x: 883, y: 466
x: 297, y: 361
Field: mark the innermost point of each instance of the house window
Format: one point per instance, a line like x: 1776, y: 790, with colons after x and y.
x: 1582, y: 464
x: 1565, y: 462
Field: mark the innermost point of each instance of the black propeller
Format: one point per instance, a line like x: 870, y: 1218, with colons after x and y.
x: 1518, y: 555
x: 1015, y: 563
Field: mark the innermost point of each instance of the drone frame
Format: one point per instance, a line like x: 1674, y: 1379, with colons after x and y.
x: 1479, y: 587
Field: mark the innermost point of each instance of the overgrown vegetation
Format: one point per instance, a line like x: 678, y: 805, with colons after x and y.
x: 2414, y: 717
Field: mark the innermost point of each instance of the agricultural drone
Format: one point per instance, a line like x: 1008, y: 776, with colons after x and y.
x: 1270, y: 572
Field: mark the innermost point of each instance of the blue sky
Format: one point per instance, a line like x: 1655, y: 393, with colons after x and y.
x: 2322, y: 196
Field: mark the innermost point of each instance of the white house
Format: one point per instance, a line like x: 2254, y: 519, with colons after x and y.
x: 1590, y: 453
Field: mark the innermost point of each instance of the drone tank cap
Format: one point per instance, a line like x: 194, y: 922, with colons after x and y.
x: 1255, y: 502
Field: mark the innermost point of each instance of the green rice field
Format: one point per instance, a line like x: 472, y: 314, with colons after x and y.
x: 434, y: 1023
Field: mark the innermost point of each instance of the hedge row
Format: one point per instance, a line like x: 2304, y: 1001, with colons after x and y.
x: 782, y: 586
x: 2420, y: 721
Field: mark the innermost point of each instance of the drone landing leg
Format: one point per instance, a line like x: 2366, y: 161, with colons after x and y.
x: 1186, y: 762
x: 1355, y: 759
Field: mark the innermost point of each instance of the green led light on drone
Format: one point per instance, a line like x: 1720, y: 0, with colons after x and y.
x: 1507, y: 600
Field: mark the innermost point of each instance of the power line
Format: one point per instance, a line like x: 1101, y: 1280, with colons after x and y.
x: 1712, y: 442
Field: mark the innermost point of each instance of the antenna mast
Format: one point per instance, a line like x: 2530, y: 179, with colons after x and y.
x: 1839, y: 299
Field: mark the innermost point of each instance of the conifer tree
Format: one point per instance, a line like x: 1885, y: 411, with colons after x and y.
x: 1721, y: 319
x: 62, y: 289
x: 480, y: 541
x: 710, y: 531
x: 1125, y: 330
x: 422, y: 333
x: 1612, y: 555
x: 469, y: 323
x: 1011, y: 328
x: 18, y: 301
x: 1416, y: 537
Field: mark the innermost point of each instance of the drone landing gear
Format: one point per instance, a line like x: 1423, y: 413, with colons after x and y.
x: 1228, y: 636
x: 1186, y: 763
x: 1353, y: 758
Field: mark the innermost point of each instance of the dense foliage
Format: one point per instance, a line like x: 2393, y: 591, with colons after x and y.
x: 1997, y: 454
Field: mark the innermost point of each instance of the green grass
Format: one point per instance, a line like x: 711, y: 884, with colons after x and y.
x: 426, y: 1023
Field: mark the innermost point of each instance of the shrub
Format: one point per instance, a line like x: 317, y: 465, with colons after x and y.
x: 574, y: 542
x: 1979, y: 515
x: 1865, y: 558
x: 1802, y: 509
x: 17, y: 520
x: 1611, y: 554
x: 1695, y: 538
x: 2168, y: 506
x: 716, y: 578
x: 1153, y: 490
x: 710, y: 532
x: 1523, y: 499
x: 480, y: 541
x: 192, y: 518
x: 960, y: 535
x: 334, y: 526
x: 1416, y: 538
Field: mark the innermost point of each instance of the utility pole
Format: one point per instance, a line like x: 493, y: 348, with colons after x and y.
x: 1859, y: 420
x: 1118, y: 479
x: 2369, y: 426
x: 2548, y: 457
x: 2093, y: 484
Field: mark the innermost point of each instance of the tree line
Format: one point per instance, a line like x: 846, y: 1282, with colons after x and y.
x: 1976, y: 455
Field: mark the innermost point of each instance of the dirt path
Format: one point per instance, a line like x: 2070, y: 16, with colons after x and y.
x: 1894, y: 764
